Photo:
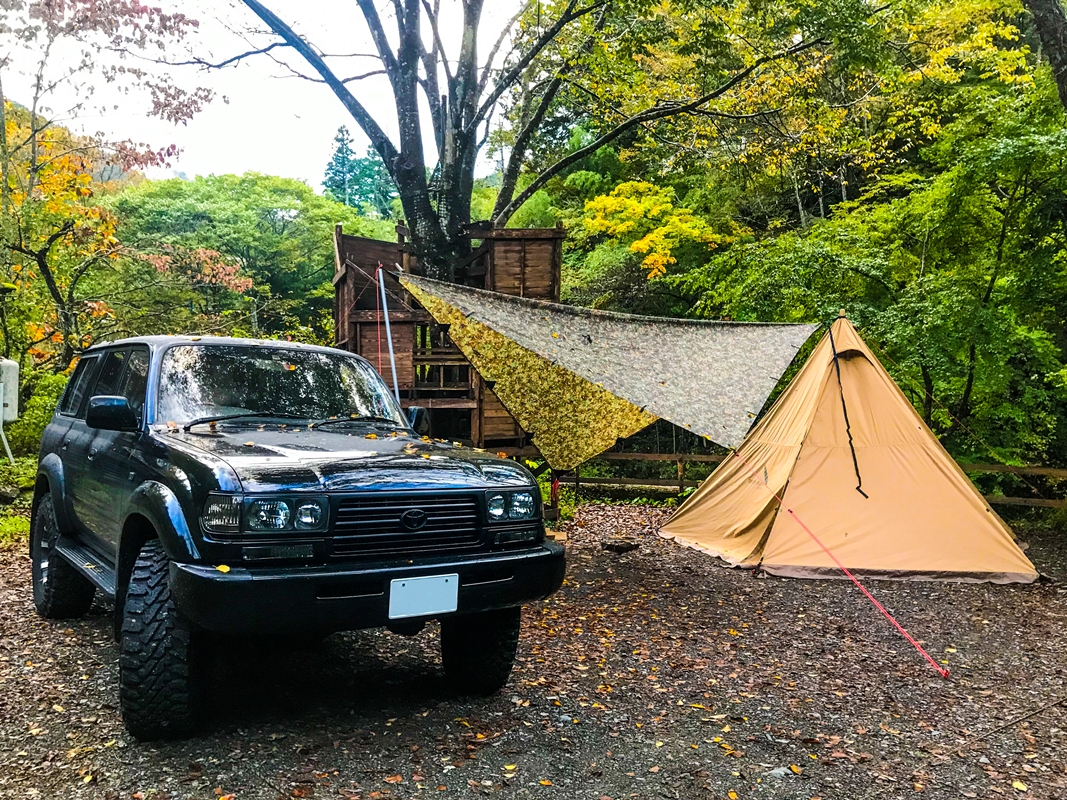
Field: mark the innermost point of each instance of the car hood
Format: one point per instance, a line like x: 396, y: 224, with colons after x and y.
x: 349, y: 458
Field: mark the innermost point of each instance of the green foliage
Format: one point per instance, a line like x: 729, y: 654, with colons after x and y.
x: 23, y: 473
x: 920, y: 187
x: 14, y: 530
x: 24, y: 434
x: 362, y: 183
x: 278, y: 230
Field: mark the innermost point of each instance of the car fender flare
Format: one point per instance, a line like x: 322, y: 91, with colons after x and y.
x: 160, y: 506
x: 51, y: 471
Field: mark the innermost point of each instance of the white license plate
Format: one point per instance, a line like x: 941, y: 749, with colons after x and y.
x: 421, y: 597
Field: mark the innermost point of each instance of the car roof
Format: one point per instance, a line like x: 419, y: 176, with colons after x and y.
x: 164, y: 342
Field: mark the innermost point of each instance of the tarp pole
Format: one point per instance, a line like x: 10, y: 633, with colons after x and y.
x: 388, y: 332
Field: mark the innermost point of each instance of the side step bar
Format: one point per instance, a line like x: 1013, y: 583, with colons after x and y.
x: 99, y: 573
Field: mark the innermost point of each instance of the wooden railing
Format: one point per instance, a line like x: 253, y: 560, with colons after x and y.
x: 680, y: 483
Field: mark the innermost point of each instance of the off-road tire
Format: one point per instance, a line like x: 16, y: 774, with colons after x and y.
x: 160, y: 672
x: 59, y: 590
x: 478, y: 650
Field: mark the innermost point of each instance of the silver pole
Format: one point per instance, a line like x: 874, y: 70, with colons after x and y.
x: 3, y: 436
x: 388, y: 332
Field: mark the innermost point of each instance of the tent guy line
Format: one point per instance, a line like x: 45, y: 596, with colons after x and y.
x: 942, y: 671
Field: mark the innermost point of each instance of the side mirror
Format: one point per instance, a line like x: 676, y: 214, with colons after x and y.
x: 419, y: 419
x: 110, y: 413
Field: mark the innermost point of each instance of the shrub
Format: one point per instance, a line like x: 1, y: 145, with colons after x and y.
x: 24, y: 434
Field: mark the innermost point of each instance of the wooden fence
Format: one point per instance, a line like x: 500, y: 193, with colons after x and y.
x: 680, y: 483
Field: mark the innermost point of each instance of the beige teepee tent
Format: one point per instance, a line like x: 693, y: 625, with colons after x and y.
x: 921, y: 518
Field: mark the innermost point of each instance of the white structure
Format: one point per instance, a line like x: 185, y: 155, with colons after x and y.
x: 9, y: 394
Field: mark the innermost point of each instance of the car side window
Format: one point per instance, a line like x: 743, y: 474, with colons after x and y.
x: 110, y: 373
x: 79, y: 382
x: 135, y: 380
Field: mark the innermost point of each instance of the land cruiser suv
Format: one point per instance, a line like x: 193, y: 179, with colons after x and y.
x: 228, y: 486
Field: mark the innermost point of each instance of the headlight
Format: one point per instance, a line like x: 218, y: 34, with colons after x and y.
x: 310, y: 515
x: 497, y: 505
x: 222, y: 513
x: 268, y: 515
x: 503, y: 506
x: 231, y: 514
x: 522, y: 505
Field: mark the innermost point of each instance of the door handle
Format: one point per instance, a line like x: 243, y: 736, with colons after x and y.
x: 92, y: 453
x: 65, y: 443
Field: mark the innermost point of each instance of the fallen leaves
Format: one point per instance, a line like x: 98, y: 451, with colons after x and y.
x: 619, y: 618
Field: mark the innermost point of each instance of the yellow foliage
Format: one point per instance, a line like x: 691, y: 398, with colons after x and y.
x: 647, y: 217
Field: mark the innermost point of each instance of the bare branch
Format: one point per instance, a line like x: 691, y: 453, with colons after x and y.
x: 377, y: 32
x: 511, y: 75
x: 487, y: 70
x: 526, y: 133
x: 438, y: 45
x: 374, y: 132
x: 200, y: 62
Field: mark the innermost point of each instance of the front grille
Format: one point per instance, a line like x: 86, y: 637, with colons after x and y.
x: 371, y: 525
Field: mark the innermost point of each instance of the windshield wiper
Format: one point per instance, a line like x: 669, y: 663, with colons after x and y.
x: 358, y: 418
x: 224, y: 417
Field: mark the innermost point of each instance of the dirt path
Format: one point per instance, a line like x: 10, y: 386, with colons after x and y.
x: 651, y: 674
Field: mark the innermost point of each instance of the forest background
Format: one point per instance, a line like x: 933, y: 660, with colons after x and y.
x: 910, y: 168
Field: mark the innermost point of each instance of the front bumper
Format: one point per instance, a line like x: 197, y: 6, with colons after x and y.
x: 326, y: 598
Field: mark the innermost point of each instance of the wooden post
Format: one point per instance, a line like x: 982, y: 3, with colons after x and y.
x: 552, y: 512
x: 681, y: 475
x: 476, y: 412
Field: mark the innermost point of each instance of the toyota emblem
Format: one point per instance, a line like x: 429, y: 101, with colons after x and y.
x: 414, y: 519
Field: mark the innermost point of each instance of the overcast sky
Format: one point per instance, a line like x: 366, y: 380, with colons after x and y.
x: 269, y: 121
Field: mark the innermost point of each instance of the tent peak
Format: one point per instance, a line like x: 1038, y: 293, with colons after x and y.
x: 842, y: 314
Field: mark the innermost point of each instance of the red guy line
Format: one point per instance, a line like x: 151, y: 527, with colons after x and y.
x: 944, y: 673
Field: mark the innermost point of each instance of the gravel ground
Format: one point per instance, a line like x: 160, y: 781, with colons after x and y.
x: 653, y: 673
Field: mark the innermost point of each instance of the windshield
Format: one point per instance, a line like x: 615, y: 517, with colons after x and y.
x: 198, y: 381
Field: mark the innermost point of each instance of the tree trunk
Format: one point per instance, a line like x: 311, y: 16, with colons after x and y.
x: 928, y: 396
x: 5, y: 186
x: 1051, y: 24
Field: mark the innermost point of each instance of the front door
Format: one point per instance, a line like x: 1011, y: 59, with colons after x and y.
x: 123, y: 373
x: 73, y: 436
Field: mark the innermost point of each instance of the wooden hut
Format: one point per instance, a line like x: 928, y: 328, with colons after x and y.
x: 431, y: 371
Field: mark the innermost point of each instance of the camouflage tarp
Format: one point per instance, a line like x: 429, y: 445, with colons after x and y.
x: 577, y: 379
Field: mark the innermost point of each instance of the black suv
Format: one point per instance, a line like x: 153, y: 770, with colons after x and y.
x: 213, y: 485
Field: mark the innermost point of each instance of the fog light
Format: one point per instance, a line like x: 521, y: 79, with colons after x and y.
x: 522, y: 535
x: 268, y: 515
x: 495, y: 504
